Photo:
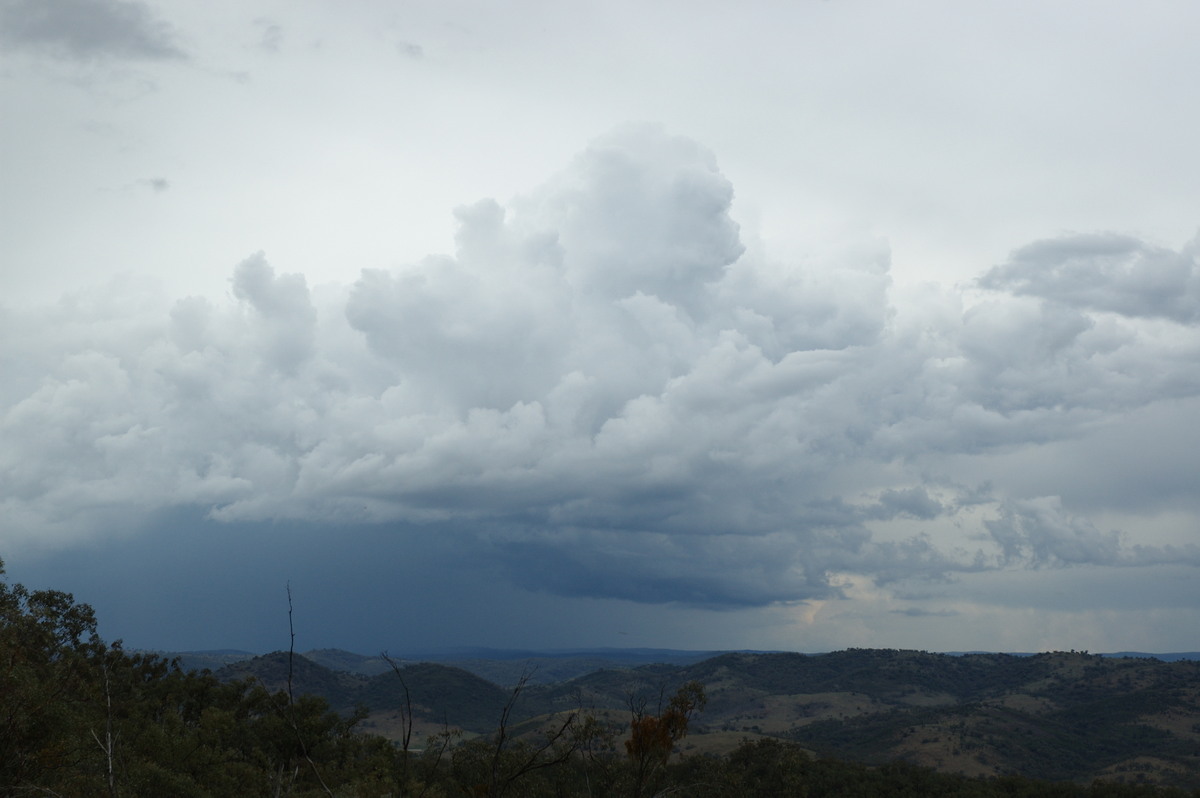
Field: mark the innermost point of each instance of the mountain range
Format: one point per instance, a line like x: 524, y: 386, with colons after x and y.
x: 1067, y: 716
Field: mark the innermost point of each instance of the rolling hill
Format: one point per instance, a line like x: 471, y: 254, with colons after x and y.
x: 1064, y: 716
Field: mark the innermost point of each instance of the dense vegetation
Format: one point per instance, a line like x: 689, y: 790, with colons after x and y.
x: 79, y: 717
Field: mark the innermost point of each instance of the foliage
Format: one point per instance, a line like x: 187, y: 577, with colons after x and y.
x: 652, y: 738
x: 79, y: 717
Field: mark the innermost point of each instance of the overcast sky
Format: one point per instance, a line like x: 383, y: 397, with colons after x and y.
x: 774, y: 325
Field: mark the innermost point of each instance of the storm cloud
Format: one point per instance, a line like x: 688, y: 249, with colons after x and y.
x: 604, y: 393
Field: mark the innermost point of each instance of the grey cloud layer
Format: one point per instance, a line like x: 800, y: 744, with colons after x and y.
x: 1107, y: 272
x: 1041, y: 533
x: 86, y: 30
x: 601, y: 391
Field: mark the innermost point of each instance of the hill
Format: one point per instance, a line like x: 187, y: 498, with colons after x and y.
x: 1064, y: 716
x: 81, y: 717
x: 506, y: 667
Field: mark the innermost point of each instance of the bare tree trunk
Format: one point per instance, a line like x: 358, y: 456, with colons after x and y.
x: 497, y: 785
x: 292, y: 699
x: 110, y: 741
x: 406, y: 720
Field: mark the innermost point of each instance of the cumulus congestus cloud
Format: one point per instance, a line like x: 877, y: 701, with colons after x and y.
x: 602, y: 392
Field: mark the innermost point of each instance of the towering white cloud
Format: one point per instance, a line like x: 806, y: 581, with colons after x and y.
x: 601, y: 391
x: 282, y: 319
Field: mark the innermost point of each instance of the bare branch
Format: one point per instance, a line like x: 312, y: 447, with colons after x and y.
x: 406, y: 714
x: 292, y: 700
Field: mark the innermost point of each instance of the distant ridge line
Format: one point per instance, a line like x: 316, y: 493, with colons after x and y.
x: 644, y: 655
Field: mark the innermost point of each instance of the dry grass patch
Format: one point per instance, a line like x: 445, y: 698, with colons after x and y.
x: 717, y: 743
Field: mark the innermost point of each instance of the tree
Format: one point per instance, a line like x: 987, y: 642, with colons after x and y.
x: 433, y: 754
x: 652, y: 738
x: 490, y: 768
x: 47, y: 645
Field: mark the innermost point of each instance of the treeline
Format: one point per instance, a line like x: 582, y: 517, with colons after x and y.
x: 79, y: 717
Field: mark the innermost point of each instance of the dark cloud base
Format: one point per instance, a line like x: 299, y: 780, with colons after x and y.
x: 193, y: 583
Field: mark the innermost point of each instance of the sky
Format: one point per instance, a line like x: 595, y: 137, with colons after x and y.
x: 777, y: 325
